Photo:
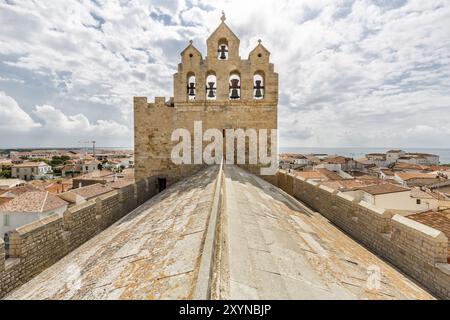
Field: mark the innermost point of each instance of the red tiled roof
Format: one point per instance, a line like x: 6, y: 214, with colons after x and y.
x: 337, y: 160
x: 346, y: 184
x: 406, y: 165
x: 33, y: 201
x: 30, y: 165
x: 330, y: 174
x: 96, y: 174
x: 383, y: 189
x: 310, y: 175
x: 17, y: 191
x: 412, y: 175
x: 92, y: 191
x: 438, y: 220
x: 120, y: 183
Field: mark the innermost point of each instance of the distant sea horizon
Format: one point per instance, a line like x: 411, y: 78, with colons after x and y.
x: 359, y: 152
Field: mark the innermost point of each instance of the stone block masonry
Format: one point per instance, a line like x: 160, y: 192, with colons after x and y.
x: 416, y: 249
x: 36, y: 246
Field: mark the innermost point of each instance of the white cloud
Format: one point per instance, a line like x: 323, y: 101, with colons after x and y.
x: 352, y: 72
x: 57, y: 122
x: 53, y: 128
x: 12, y: 117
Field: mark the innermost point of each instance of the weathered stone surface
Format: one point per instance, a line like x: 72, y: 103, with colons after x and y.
x: 278, y: 249
x: 270, y: 246
x: 418, y: 250
x: 36, y: 246
x: 152, y: 253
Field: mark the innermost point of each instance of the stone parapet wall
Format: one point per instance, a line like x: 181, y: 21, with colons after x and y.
x: 36, y: 246
x: 416, y: 249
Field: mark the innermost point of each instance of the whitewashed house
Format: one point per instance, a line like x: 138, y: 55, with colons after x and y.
x: 394, y: 197
x: 29, y: 207
x: 378, y: 159
x: 424, y: 159
x: 31, y: 171
x: 392, y: 156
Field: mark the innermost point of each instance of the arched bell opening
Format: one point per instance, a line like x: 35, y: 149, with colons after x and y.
x: 234, y: 86
x: 223, y: 49
x: 211, y: 86
x: 258, y: 86
x: 191, y: 87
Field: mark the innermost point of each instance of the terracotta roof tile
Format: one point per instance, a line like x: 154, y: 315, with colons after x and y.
x: 383, y: 189
x: 330, y: 174
x: 92, y: 191
x: 120, y: 183
x: 96, y: 174
x: 438, y: 220
x: 30, y: 165
x: 33, y: 201
x: 412, y: 175
x: 310, y: 175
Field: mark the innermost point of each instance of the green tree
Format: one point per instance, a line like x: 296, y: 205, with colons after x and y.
x: 5, y: 173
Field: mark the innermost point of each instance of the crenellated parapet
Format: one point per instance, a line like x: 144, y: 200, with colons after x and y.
x: 420, y: 251
x: 38, y: 245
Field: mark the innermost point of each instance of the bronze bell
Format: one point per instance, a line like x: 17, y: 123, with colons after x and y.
x: 234, y: 89
x: 211, y: 90
x: 258, y: 89
x: 223, y: 50
x: 191, y: 89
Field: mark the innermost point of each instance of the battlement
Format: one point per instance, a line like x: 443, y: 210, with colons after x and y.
x: 418, y: 250
x: 36, y: 246
x: 142, y: 102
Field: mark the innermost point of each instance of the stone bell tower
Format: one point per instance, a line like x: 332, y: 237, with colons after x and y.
x: 221, y: 90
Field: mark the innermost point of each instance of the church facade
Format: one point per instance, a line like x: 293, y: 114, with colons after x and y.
x: 221, y: 91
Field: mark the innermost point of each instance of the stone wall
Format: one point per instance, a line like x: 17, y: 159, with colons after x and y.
x: 416, y: 249
x: 36, y: 246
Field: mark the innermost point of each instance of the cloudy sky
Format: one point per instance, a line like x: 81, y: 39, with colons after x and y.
x: 372, y: 73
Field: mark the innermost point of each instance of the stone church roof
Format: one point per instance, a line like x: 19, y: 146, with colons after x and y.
x: 274, y: 248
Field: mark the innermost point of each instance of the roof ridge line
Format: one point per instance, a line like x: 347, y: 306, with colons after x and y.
x: 43, y: 203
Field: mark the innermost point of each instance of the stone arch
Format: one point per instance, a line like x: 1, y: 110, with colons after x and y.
x: 211, y: 85
x: 234, y: 82
x: 191, y: 86
x: 223, y: 49
x: 259, y: 86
